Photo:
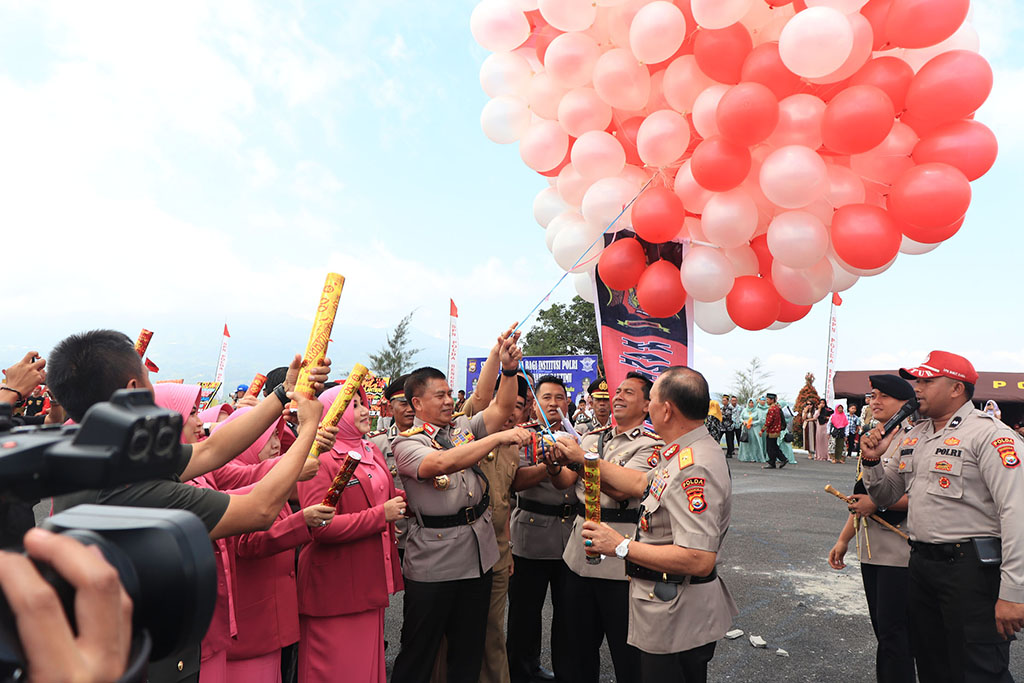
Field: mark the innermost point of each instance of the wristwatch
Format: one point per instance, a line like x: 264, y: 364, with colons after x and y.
x: 281, y: 394
x: 510, y: 373
x: 622, y: 549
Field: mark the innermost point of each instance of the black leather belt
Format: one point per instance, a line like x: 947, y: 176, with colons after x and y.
x: 465, y: 516
x: 961, y: 550
x: 630, y: 515
x: 566, y: 510
x: 638, y: 572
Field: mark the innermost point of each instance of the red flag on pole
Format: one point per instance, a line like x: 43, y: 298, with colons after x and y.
x: 226, y: 330
x: 454, y: 312
x: 836, y: 299
x: 453, y: 344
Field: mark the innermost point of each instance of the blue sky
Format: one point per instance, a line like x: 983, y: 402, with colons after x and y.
x: 177, y: 165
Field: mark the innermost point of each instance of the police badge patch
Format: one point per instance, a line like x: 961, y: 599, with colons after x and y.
x: 694, y: 489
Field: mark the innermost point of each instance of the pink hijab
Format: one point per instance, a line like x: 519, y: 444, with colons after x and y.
x: 181, y: 398
x: 251, y: 455
x: 349, y: 438
x: 839, y: 420
x: 213, y: 413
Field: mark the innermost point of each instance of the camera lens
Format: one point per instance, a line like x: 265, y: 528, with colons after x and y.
x: 165, y: 439
x: 138, y: 447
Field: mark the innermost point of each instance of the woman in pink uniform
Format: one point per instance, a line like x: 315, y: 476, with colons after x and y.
x: 347, y: 573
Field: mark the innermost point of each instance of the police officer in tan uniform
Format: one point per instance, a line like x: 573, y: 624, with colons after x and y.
x: 383, y: 439
x: 600, y: 399
x: 883, y: 554
x: 451, y: 547
x: 541, y: 525
x: 961, y: 469
x: 678, y: 606
x: 599, y: 592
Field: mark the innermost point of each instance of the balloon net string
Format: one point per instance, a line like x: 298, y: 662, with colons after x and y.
x: 547, y: 423
x: 580, y: 261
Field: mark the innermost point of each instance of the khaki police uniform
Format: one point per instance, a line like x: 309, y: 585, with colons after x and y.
x: 449, y: 553
x: 541, y: 526
x: 599, y: 593
x: 592, y: 425
x: 675, y: 620
x: 965, y: 482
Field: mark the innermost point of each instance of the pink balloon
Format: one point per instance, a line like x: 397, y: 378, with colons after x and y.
x: 662, y: 138
x: 570, y: 59
x: 859, y: 53
x: 684, y: 81
x: 886, y: 162
x: 857, y: 119
x: 572, y: 185
x: 920, y: 23
x: 816, y: 42
x: 763, y: 65
x: 949, y: 87
x: 793, y: 176
x: 657, y: 31
x: 693, y: 195
x: 719, y: 13
x: 705, y: 110
x: 657, y: 99
x: 799, y: 122
x: 499, y: 26
x: 729, y: 219
x: 890, y: 74
x: 706, y: 273
x: 844, y: 187
x: 721, y: 52
x: 581, y: 110
x: 968, y: 145
x: 543, y: 96
x: 597, y: 154
x: 543, y: 145
x: 568, y: 15
x: 803, y: 286
x: 622, y: 81
x: 747, y: 113
x: 797, y: 239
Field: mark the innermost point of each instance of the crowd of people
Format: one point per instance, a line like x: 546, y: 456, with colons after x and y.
x: 476, y: 515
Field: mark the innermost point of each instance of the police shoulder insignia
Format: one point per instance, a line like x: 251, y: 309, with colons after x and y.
x: 903, y: 465
x: 955, y: 422
x: 685, y: 458
x: 379, y: 432
x: 669, y: 452
x: 653, y: 459
x: 651, y: 434
x: 910, y: 442
x: 694, y: 489
x: 461, y: 413
x: 412, y: 431
x: 1007, y: 451
x: 600, y: 429
x: 428, y: 428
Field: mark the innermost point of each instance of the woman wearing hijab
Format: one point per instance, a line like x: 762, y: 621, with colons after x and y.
x: 992, y: 408
x: 351, y: 567
x: 751, y: 450
x: 713, y: 422
x: 838, y: 424
x: 810, y: 426
x: 821, y: 434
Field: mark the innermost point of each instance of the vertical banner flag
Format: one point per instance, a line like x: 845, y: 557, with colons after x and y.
x: 207, y: 390
x: 453, y: 344
x: 631, y: 340
x: 830, y: 364
x: 223, y: 360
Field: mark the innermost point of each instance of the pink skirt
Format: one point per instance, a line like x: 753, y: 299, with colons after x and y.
x: 351, y: 645
x: 213, y: 669
x: 263, y: 669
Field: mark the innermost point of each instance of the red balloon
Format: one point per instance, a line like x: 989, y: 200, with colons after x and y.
x: 968, y: 145
x: 553, y: 173
x: 790, y: 313
x: 922, y: 23
x: 753, y: 303
x: 625, y: 133
x: 877, y: 14
x: 764, y: 256
x: 764, y: 65
x: 931, y: 235
x: 658, y: 215
x: 720, y: 52
x: 929, y: 196
x: 719, y: 165
x: 857, y: 119
x: 865, y: 236
x: 747, y: 113
x: 948, y: 87
x: 660, y: 290
x: 890, y: 74
x: 622, y: 263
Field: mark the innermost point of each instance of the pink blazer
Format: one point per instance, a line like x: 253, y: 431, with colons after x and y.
x: 266, y: 603
x: 340, y: 572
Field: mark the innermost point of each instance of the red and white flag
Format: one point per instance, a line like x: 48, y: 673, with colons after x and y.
x: 223, y: 360
x: 830, y: 367
x: 453, y: 345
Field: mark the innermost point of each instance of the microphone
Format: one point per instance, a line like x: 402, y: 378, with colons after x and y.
x: 894, y: 422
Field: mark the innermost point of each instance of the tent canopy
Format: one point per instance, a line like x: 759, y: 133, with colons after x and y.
x: 1001, y: 387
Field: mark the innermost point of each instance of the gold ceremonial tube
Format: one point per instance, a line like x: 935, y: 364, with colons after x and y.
x: 342, y: 478
x: 257, y: 383
x: 316, y: 349
x: 882, y: 522
x: 349, y: 389
x: 592, y: 496
x: 142, y: 343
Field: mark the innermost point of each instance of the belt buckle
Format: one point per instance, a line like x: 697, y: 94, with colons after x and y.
x: 568, y: 511
x: 470, y: 514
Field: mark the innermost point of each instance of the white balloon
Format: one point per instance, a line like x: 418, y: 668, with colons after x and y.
x: 694, y: 197
x: 965, y: 38
x: 838, y: 262
x: 604, y: 200
x: 816, y: 42
x: 844, y: 6
x: 744, y: 260
x: 559, y: 223
x: 574, y: 244
x: 778, y: 325
x: 712, y: 317
x: 797, y: 239
x: 842, y: 280
x: 705, y: 109
x: 572, y: 185
x: 803, y: 286
x: 729, y: 219
x: 498, y: 25
x: 544, y: 95
x: 706, y: 274
x: 505, y: 119
x: 719, y: 13
x: 568, y: 15
x: 913, y: 248
x: 548, y: 204
x: 584, y: 284
x: 505, y: 73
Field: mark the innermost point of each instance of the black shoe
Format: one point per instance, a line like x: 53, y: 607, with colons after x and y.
x: 542, y: 674
x: 783, y: 463
x: 767, y: 467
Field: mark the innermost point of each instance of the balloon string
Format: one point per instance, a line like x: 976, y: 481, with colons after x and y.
x: 539, y: 409
x: 580, y: 259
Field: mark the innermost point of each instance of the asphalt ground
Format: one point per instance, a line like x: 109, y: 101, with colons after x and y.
x: 774, y: 562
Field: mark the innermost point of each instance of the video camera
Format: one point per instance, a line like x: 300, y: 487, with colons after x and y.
x: 164, y: 557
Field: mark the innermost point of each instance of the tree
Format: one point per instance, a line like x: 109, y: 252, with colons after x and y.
x: 752, y: 382
x: 564, y: 330
x: 395, y: 357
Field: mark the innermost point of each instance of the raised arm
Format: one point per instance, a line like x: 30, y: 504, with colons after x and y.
x: 459, y: 458
x: 484, y: 390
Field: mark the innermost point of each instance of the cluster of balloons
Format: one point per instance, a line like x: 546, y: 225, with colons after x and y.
x: 796, y: 145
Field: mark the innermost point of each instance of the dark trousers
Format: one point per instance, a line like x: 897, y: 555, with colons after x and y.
x: 526, y: 591
x: 456, y: 610
x: 852, y: 443
x: 886, y: 590
x: 600, y: 609
x: 690, y: 666
x: 730, y: 441
x: 952, y: 622
x: 771, y: 447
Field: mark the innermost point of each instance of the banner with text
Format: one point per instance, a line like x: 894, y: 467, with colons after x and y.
x: 207, y: 390
x: 576, y: 371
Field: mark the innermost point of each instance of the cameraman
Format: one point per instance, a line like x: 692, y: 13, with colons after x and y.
x: 103, y: 611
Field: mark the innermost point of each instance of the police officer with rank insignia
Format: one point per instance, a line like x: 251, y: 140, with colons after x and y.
x: 541, y: 525
x: 599, y: 592
x: 383, y: 439
x: 599, y: 397
x: 678, y: 606
x: 961, y: 470
x: 451, y: 546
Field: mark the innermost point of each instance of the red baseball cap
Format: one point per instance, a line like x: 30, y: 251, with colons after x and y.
x: 943, y: 364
